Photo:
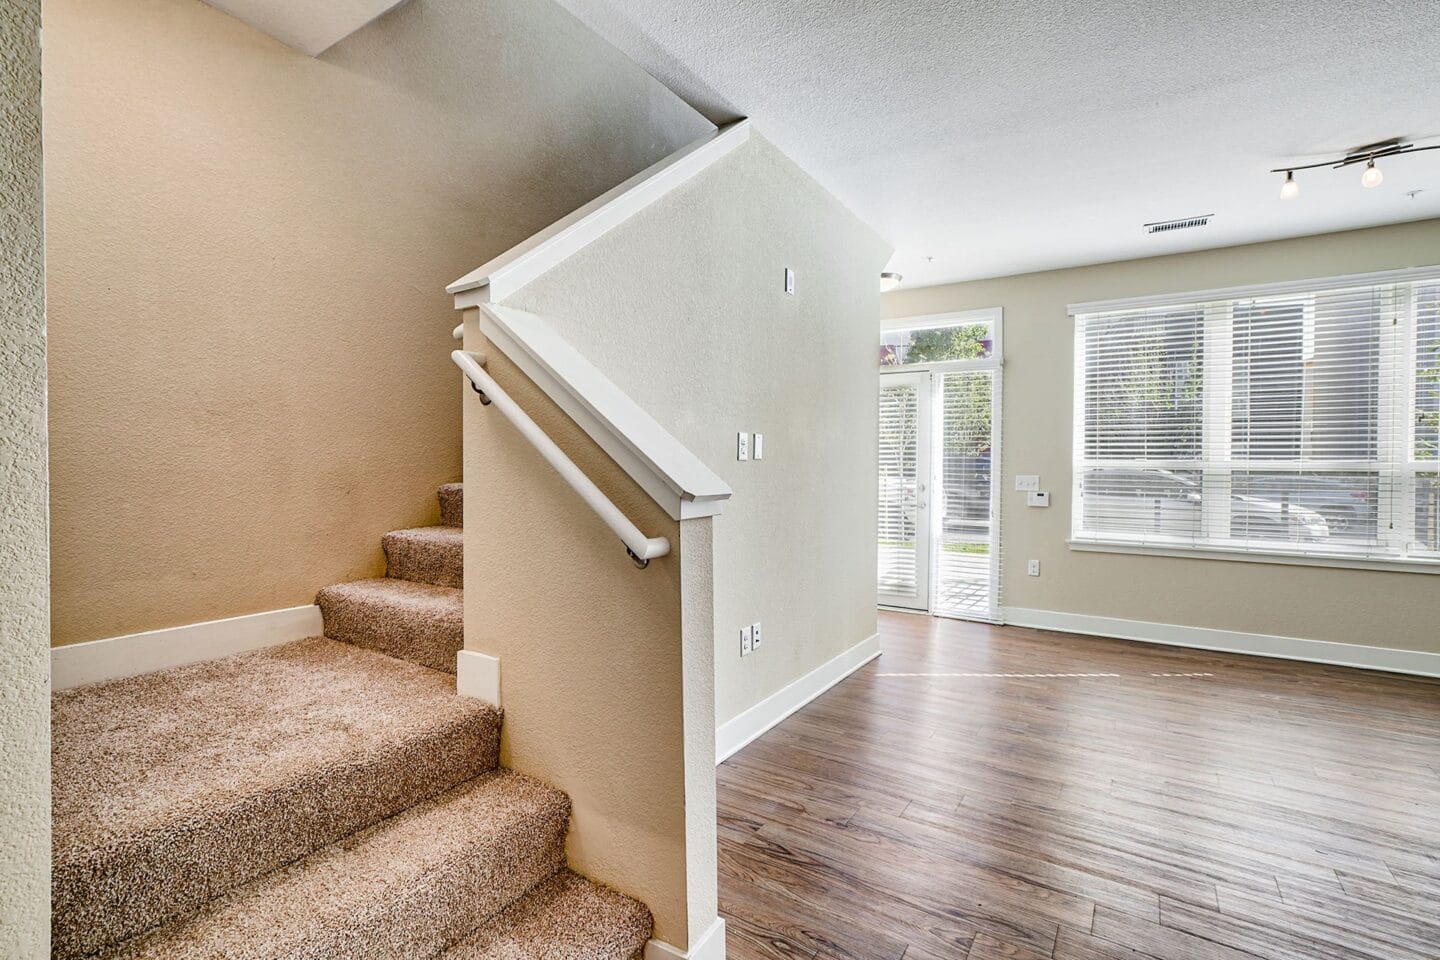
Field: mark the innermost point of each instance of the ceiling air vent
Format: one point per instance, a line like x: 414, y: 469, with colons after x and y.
x: 1165, y: 226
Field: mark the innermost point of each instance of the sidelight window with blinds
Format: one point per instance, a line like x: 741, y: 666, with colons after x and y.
x: 1274, y: 422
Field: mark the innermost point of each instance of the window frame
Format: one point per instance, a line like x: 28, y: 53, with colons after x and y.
x: 1395, y: 463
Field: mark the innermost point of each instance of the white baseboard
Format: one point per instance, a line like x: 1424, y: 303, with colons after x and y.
x: 734, y: 734
x: 115, y: 657
x: 477, y: 675
x: 1230, y: 641
x: 710, y: 946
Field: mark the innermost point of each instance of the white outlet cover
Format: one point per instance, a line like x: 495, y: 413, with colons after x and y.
x: 1033, y: 568
x: 742, y: 446
x: 747, y: 642
x: 1027, y: 481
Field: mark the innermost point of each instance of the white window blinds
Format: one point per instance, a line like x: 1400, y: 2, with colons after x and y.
x: 1295, y: 422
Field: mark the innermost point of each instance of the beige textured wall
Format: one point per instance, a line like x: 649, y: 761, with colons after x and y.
x: 684, y: 308
x: 591, y: 655
x: 24, y: 551
x: 248, y: 250
x: 1349, y: 606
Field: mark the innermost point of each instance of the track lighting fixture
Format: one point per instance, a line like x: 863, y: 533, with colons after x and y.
x: 1372, y: 177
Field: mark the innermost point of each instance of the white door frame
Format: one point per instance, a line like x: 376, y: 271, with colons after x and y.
x: 994, y: 316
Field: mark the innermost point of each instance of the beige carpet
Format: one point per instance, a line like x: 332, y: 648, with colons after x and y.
x: 173, y: 787
x: 563, y: 918
x: 426, y: 555
x: 419, y: 622
x: 317, y: 800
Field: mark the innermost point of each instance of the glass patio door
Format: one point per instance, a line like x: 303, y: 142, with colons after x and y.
x: 966, y: 558
x: 904, y: 515
x: 939, y: 465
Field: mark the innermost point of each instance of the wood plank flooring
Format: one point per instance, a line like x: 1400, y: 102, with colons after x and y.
x: 950, y: 801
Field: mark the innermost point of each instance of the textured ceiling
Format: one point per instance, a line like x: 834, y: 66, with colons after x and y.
x: 1004, y: 137
x: 310, y: 26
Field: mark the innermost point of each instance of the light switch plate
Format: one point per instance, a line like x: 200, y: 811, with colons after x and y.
x: 1037, y: 499
x: 742, y: 446
x: 1027, y: 481
x: 755, y: 636
x: 757, y: 447
x: 790, y: 281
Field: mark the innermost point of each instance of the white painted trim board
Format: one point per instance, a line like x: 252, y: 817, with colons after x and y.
x: 674, y: 476
x: 734, y: 734
x: 710, y: 946
x: 136, y: 653
x: 529, y: 259
x: 1328, y: 652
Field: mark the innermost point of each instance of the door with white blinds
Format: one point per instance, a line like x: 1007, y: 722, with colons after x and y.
x: 966, y: 561
x: 904, y: 517
x: 1300, y: 422
x: 939, y: 463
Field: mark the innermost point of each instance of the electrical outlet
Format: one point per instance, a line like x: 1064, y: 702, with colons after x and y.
x: 1033, y: 568
x: 757, y: 447
x: 747, y: 641
x: 742, y: 446
x: 755, y: 636
x: 1026, y: 482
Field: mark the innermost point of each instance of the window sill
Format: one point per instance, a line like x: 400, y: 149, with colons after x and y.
x: 1248, y: 556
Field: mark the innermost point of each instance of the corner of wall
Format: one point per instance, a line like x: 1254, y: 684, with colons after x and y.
x: 24, y: 536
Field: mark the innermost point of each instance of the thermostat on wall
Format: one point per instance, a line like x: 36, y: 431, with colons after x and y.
x: 1037, y: 499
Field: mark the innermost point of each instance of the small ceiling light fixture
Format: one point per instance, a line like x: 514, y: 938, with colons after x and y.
x: 1368, y: 154
x: 889, y: 281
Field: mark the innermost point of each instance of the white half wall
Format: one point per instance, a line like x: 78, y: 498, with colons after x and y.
x: 684, y: 308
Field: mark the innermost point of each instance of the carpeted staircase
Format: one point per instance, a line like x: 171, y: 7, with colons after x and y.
x: 327, y: 798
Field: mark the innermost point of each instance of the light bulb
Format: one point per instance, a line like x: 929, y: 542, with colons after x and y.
x: 889, y: 281
x: 1289, y: 190
x: 1372, y: 176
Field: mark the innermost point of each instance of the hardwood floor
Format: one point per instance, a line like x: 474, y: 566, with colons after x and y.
x: 995, y: 792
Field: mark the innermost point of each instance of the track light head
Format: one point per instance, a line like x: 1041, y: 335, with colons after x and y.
x: 1372, y: 177
x: 1289, y: 190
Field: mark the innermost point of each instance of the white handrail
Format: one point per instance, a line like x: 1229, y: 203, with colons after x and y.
x: 642, y: 549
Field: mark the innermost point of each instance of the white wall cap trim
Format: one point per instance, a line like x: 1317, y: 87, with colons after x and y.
x: 127, y: 656
x: 1229, y: 641
x: 1256, y: 290
x: 529, y: 259
x: 709, y: 946
x: 674, y: 477
x: 736, y: 733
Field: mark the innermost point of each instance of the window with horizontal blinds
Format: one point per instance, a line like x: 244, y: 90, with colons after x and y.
x: 1296, y: 423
